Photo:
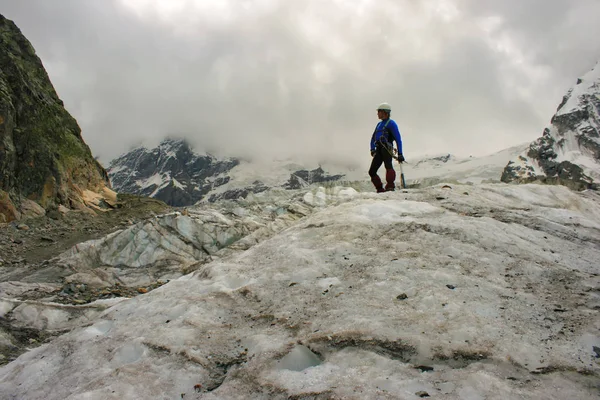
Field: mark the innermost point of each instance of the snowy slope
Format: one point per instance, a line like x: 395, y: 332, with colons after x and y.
x: 569, y: 148
x: 447, y: 167
x: 287, y: 174
x: 469, y: 292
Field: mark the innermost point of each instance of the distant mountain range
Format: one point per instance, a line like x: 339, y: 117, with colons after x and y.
x: 174, y: 173
x: 568, y: 152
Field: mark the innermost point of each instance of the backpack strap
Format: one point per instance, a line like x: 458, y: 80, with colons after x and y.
x: 386, y: 124
x: 387, y: 139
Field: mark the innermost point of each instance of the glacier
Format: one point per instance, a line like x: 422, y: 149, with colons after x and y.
x: 455, y: 291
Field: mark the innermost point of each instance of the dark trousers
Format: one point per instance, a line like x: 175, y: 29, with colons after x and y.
x: 382, y: 156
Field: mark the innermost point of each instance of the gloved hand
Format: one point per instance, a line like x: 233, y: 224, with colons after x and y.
x: 373, y: 153
x: 401, y: 158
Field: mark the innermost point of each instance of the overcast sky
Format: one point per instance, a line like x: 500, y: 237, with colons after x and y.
x: 277, y: 78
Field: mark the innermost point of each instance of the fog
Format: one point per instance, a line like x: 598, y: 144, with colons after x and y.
x: 268, y: 78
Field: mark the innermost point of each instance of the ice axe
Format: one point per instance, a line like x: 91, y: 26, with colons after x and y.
x: 402, y: 181
x: 394, y: 155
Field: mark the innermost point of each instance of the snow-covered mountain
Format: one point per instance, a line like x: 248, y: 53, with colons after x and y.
x: 569, y: 149
x: 176, y: 174
x: 171, y: 172
x: 450, y: 291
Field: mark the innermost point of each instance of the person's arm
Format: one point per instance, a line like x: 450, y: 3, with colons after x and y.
x: 396, y: 133
x: 373, y: 141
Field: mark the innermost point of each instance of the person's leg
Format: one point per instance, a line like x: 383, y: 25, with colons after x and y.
x: 375, y: 164
x: 390, y: 174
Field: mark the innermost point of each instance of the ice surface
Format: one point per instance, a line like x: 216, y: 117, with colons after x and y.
x: 500, y: 286
x: 321, y: 196
x: 53, y: 317
x: 299, y: 359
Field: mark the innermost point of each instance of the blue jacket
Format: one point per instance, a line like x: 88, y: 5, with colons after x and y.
x: 386, y: 132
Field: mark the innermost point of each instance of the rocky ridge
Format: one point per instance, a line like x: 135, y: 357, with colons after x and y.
x: 43, y: 158
x: 568, y: 151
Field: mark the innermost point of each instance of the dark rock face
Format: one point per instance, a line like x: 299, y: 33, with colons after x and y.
x: 303, y: 178
x: 171, y: 172
x: 42, y: 154
x: 568, y: 152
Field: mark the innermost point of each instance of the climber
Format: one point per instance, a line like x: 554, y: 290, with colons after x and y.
x: 382, y: 149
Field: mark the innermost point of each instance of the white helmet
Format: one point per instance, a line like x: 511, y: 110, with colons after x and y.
x: 384, y: 107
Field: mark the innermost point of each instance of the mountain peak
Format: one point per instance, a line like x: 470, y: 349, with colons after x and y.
x: 585, y: 85
x: 172, y: 172
x: 569, y: 149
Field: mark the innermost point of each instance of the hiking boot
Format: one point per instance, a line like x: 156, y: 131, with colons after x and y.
x: 377, y: 183
x: 390, y: 177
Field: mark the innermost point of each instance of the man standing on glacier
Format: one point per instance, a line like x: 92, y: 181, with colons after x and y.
x: 382, y: 149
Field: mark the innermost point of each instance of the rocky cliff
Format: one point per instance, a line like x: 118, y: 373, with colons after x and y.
x: 569, y: 150
x: 43, y: 158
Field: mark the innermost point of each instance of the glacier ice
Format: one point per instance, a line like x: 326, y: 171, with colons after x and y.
x: 311, y: 309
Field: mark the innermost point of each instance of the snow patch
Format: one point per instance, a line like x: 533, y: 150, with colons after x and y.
x: 157, y: 179
x: 178, y: 184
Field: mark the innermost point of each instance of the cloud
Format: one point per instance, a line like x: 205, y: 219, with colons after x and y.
x: 275, y: 78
